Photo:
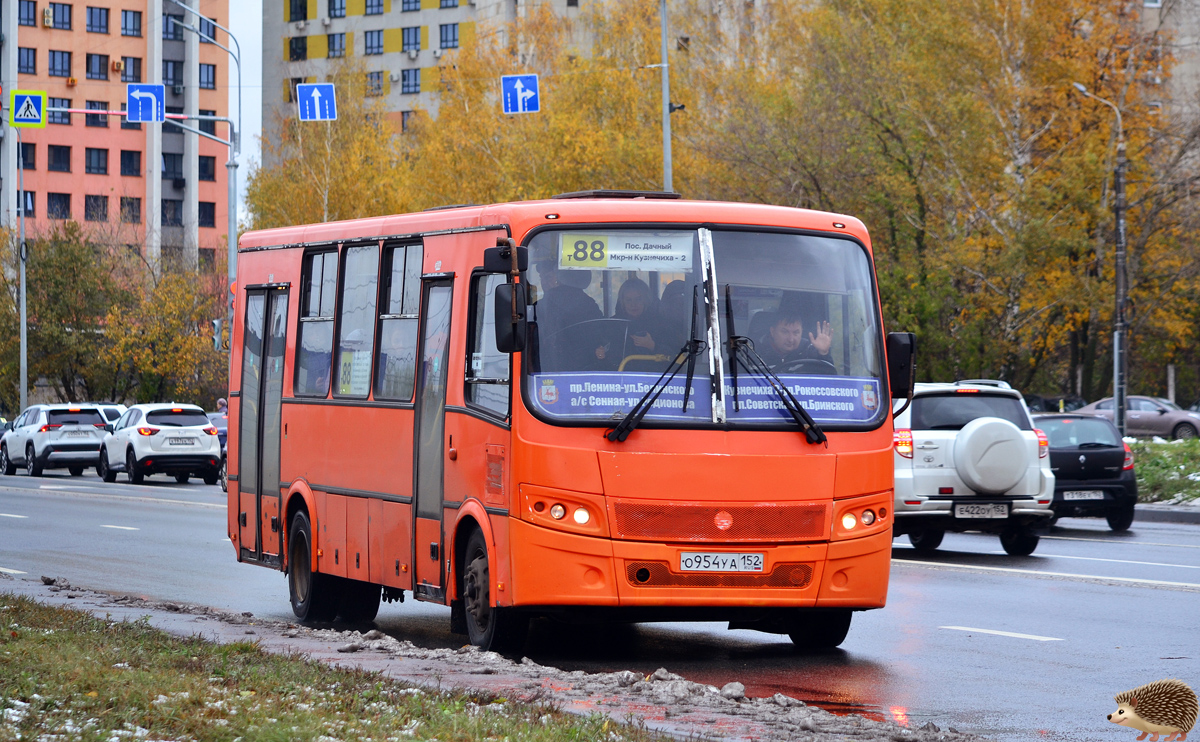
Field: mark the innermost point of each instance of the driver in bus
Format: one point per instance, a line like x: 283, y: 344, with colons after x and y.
x: 784, y: 344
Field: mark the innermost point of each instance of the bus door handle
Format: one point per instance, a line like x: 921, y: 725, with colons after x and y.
x: 433, y: 551
x: 242, y: 520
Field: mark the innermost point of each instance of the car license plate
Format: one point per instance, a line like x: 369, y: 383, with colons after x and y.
x: 77, y: 434
x: 1084, y: 495
x: 707, y: 561
x: 180, y: 441
x: 981, y: 510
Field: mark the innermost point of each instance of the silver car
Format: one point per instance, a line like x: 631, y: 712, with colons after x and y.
x: 55, y: 436
x: 1147, y: 416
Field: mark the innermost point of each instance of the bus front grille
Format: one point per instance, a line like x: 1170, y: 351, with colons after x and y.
x: 665, y: 521
x: 659, y: 574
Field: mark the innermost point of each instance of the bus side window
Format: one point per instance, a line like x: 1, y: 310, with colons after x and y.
x: 356, y: 331
x: 314, y: 354
x: 395, y: 367
x: 487, y: 368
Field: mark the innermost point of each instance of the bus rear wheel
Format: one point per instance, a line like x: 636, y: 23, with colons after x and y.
x: 360, y: 601
x: 820, y: 629
x: 489, y: 627
x: 315, y: 597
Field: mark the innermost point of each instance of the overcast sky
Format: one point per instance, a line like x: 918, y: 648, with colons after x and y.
x: 246, y: 24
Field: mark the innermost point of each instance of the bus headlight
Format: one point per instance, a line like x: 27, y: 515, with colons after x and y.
x: 557, y: 511
x: 849, y: 521
x: 868, y: 517
x: 582, y: 516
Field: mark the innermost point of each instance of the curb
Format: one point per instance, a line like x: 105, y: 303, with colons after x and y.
x: 1166, y: 514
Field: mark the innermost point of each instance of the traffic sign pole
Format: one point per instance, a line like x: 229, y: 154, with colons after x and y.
x: 23, y: 255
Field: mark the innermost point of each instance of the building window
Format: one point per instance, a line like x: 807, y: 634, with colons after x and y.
x: 131, y: 162
x: 131, y: 23
x: 412, y: 39
x: 97, y: 66
x: 30, y: 208
x: 169, y: 126
x: 406, y: 119
x: 449, y: 4
x: 131, y: 210
x: 58, y: 117
x: 337, y: 45
x: 95, y: 208
x: 131, y: 69
x: 291, y: 89
x: 208, y: 31
x: 374, y: 7
x: 449, y: 35
x: 96, y: 119
x: 58, y: 205
x: 62, y: 16
x: 172, y: 212
x: 97, y: 20
x: 172, y: 166
x: 299, y: 10
x: 207, y: 216
x: 208, y: 168
x: 298, y: 48
x: 60, y: 64
x: 28, y: 156
x: 58, y: 158
x: 208, y: 127
x: 337, y: 8
x: 410, y: 81
x: 408, y: 6
x: 314, y: 341
x: 374, y: 83
x: 26, y: 61
x: 96, y: 161
x: 373, y: 40
x: 172, y: 27
x: 127, y: 124
x: 208, y: 76
x: 27, y: 15
x: 172, y: 72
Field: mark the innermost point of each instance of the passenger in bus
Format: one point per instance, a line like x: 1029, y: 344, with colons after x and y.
x: 637, y: 305
x: 563, y: 302
x: 784, y: 347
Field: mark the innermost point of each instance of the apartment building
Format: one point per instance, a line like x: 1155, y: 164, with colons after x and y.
x: 149, y: 186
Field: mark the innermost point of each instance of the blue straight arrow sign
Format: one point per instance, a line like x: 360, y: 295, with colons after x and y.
x: 316, y: 101
x: 520, y: 93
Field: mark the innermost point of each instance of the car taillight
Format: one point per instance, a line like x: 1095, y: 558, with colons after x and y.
x: 99, y: 425
x: 210, y: 430
x: 49, y: 427
x: 1128, y: 458
x: 903, y: 441
x: 147, y: 431
x: 1043, y: 444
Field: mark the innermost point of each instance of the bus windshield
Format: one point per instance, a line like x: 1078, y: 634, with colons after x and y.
x: 614, y: 308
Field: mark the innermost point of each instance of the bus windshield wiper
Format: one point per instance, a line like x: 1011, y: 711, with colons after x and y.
x: 687, y: 354
x: 741, y: 350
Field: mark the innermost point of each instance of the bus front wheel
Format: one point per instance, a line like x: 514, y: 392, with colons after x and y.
x: 315, y: 597
x: 820, y: 629
x: 489, y: 627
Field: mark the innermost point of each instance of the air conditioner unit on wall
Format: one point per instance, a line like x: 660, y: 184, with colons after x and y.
x: 301, y: 25
x: 325, y: 21
x: 394, y: 76
x: 118, y: 65
x: 48, y: 18
x: 71, y: 82
x: 177, y: 89
x: 437, y: 53
x: 412, y: 53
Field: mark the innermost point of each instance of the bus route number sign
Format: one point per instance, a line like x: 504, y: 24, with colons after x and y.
x: 661, y: 251
x: 583, y: 251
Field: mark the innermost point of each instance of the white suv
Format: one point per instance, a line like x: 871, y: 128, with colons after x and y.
x: 161, y: 438
x: 53, y: 436
x: 969, y: 459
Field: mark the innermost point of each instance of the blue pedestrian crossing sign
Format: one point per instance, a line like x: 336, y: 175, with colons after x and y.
x: 145, y: 103
x: 316, y: 101
x: 27, y: 108
x: 520, y: 93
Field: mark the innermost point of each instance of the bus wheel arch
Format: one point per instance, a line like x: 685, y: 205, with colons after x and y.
x: 299, y: 498
x: 490, y: 627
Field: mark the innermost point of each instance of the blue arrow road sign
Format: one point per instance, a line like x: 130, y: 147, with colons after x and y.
x: 145, y: 102
x: 316, y: 101
x: 520, y: 93
x: 27, y: 108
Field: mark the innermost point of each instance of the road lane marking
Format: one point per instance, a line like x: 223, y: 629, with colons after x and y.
x: 1034, y: 637
x: 10, y: 515
x: 124, y: 498
x: 123, y: 528
x: 1041, y: 573
x: 1120, y: 541
x: 7, y: 571
x: 1116, y: 561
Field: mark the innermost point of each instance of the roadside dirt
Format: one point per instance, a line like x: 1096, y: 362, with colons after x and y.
x: 661, y: 701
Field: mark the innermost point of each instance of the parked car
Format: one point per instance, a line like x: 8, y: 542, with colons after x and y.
x: 1194, y: 406
x: 968, y: 458
x: 221, y: 421
x: 1093, y: 469
x: 163, y: 438
x: 1057, y: 403
x: 1147, y: 416
x: 56, y: 436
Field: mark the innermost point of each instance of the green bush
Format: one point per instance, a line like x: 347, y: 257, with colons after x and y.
x: 1167, y: 472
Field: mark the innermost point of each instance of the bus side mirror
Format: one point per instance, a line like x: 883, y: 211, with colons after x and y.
x: 901, y: 350
x: 499, y: 259
x: 511, y: 331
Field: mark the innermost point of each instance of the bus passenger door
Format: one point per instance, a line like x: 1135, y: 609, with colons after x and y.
x: 263, y: 342
x: 430, y: 442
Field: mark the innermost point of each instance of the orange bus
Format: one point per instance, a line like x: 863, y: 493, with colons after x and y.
x: 605, y: 406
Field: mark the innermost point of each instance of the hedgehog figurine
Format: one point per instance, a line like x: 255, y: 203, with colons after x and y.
x: 1163, y: 707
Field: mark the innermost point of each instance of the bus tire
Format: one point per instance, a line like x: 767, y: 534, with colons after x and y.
x: 315, y: 596
x: 490, y: 627
x: 360, y: 601
x: 820, y: 629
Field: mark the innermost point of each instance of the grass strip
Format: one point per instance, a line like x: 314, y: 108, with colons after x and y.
x: 67, y: 675
x: 1167, y: 472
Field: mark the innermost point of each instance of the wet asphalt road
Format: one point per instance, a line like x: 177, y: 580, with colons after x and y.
x: 1009, y: 647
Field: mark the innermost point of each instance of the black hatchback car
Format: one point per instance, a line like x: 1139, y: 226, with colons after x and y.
x: 1093, y: 469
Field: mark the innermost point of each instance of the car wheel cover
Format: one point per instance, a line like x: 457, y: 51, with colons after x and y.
x: 990, y: 455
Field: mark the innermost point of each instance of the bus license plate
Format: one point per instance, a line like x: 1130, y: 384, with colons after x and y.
x: 1084, y: 495
x: 707, y: 561
x: 979, y: 510
x: 180, y: 441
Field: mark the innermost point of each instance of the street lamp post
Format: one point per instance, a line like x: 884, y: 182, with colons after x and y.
x: 1120, y: 343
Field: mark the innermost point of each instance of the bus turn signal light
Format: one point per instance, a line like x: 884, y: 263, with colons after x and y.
x: 147, y: 431
x: 903, y: 441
